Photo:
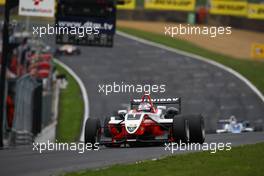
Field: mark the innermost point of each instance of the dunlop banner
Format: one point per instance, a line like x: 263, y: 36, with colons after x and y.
x: 128, y: 5
x: 2, y: 2
x: 257, y: 51
x: 233, y: 7
x: 183, y: 5
x: 256, y: 11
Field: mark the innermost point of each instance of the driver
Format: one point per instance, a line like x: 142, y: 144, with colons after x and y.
x: 144, y: 106
x: 233, y: 119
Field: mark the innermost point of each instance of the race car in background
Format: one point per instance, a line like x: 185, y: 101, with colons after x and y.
x: 147, y: 121
x: 232, y: 125
x: 67, y: 50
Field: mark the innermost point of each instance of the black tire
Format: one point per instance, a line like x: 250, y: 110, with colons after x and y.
x: 180, y: 129
x: 92, y: 131
x: 107, y: 132
x: 197, y: 130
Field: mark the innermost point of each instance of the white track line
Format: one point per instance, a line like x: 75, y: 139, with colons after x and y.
x: 84, y: 95
x: 235, y: 73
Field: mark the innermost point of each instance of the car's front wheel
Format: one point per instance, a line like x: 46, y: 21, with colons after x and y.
x: 92, y: 131
x: 197, y: 129
x: 180, y: 129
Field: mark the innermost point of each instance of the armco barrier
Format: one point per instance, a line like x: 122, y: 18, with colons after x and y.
x: 33, y: 109
x: 34, y: 101
x: 23, y: 125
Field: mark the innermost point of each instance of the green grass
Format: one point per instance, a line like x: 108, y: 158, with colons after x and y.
x: 239, y: 161
x: 70, y: 110
x: 252, y: 70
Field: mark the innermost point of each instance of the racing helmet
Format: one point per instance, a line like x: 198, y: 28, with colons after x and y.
x: 144, y: 106
x: 233, y: 119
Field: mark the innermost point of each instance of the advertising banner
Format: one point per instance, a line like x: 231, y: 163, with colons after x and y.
x: 182, y: 5
x: 73, y: 30
x: 2, y: 2
x: 233, y: 7
x: 257, y: 51
x: 256, y: 11
x: 128, y: 5
x: 40, y: 8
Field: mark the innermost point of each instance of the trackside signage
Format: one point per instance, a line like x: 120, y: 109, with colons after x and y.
x: 40, y: 8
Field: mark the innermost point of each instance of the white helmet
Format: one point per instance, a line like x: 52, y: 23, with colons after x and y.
x: 144, y: 106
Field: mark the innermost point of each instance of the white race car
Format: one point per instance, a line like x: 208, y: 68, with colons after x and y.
x: 67, y: 50
x: 232, y: 125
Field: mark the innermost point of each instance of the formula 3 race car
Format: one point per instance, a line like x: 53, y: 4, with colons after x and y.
x: 148, y: 121
x: 67, y: 50
x: 232, y: 125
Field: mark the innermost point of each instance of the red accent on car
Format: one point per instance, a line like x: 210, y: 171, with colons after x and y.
x: 147, y: 126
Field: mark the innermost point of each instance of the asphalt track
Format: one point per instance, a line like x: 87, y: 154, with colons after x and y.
x: 204, y: 88
x: 25, y: 162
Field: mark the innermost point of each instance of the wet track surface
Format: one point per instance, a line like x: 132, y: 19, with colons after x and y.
x: 204, y: 89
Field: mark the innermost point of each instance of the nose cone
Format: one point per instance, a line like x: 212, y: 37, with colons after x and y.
x: 132, y: 122
x: 131, y: 128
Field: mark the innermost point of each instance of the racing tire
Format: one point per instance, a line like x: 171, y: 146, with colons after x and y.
x: 197, y: 129
x: 92, y: 131
x: 180, y: 129
x: 107, y: 132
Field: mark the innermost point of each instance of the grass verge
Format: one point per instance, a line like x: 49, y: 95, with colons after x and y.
x: 252, y: 70
x: 242, y: 161
x: 71, y: 108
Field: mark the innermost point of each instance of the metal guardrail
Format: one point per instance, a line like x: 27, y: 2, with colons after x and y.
x: 33, y: 109
x: 24, y: 104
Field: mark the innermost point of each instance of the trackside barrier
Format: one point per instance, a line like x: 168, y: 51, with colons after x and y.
x: 33, y: 108
x: 23, y: 125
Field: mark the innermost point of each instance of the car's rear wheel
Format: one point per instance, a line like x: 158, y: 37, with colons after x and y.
x: 107, y: 132
x: 197, y: 129
x: 180, y: 129
x: 92, y: 131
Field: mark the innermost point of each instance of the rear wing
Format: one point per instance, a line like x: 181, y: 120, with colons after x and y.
x: 157, y: 101
x: 223, y: 121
